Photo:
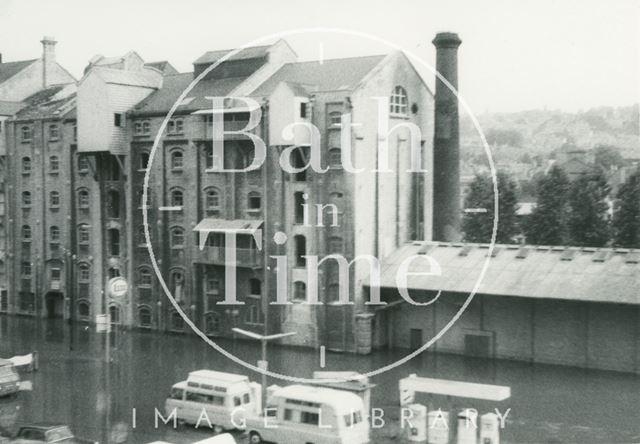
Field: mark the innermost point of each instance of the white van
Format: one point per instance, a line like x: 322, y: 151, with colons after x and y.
x: 211, y: 398
x: 225, y: 438
x: 310, y: 415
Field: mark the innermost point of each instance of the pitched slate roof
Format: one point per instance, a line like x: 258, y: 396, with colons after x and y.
x: 330, y: 75
x: 9, y: 69
x: 163, y: 66
x: 252, y: 52
x: 163, y: 99
x: 145, y: 78
x: 10, y: 108
x: 55, y: 101
x: 581, y: 274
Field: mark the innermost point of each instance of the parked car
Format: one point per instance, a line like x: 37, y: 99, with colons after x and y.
x: 47, y: 433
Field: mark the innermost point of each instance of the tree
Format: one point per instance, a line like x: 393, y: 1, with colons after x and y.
x: 588, y: 219
x: 478, y: 226
x: 606, y: 156
x: 626, y: 218
x: 547, y: 224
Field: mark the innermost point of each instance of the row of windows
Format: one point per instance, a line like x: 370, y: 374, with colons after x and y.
x: 54, y: 233
x: 53, y: 132
x: 54, y: 165
x: 84, y: 271
x: 177, y: 160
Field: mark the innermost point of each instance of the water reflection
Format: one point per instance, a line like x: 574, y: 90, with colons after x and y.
x: 548, y: 404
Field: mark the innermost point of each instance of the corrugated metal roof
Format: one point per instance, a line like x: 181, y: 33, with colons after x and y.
x: 596, y: 275
x: 330, y: 75
x: 10, y: 69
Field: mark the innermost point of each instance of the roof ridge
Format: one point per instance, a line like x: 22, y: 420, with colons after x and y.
x: 336, y: 59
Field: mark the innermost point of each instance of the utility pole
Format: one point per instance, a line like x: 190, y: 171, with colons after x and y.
x: 263, y: 363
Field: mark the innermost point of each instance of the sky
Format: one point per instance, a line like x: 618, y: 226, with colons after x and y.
x: 516, y: 55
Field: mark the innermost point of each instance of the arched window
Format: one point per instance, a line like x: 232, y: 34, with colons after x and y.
x: 335, y: 245
x: 26, y: 198
x: 113, y: 241
x: 113, y: 204
x: 255, y: 287
x: 145, y: 277
x: 84, y: 310
x: 114, y: 314
x: 300, y: 245
x: 144, y: 161
x: 142, y: 238
x: 398, y: 103
x: 83, y: 198
x: 83, y: 164
x: 54, y: 164
x: 298, y: 211
x: 212, y: 201
x: 84, y: 272
x: 298, y: 161
x: 54, y: 132
x: 144, y: 317
x: 83, y: 234
x: 212, y: 324
x: 335, y: 118
x: 254, y: 201
x: 25, y: 132
x: 299, y: 291
x: 54, y: 199
x: 177, y: 160
x: 253, y: 314
x: 335, y: 158
x: 26, y: 233
x: 177, y: 323
x: 177, y: 237
x: 333, y: 292
x: 26, y: 165
x: 54, y: 233
x: 177, y: 284
x: 177, y: 198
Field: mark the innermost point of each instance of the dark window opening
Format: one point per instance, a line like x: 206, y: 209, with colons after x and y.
x: 300, y: 250
x: 113, y: 235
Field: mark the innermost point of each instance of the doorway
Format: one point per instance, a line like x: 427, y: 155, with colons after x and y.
x: 477, y: 346
x: 415, y: 338
x: 54, y: 304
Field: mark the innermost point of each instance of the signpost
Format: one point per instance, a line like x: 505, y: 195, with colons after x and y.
x: 263, y: 364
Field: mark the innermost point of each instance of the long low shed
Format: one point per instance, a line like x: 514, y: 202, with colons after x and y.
x: 559, y: 305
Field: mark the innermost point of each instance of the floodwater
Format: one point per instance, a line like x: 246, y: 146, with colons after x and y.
x: 549, y: 404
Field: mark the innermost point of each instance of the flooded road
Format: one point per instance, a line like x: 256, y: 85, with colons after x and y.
x: 549, y: 404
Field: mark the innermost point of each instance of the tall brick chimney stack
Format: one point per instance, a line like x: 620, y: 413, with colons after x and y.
x: 48, y: 59
x: 446, y: 142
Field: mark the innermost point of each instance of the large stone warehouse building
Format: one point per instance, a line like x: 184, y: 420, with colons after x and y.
x: 75, y: 155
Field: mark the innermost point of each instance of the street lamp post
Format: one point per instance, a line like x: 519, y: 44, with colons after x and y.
x: 263, y: 363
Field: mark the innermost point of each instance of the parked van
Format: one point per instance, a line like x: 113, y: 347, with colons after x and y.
x: 9, y: 379
x: 311, y: 415
x: 225, y: 438
x: 210, y: 397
